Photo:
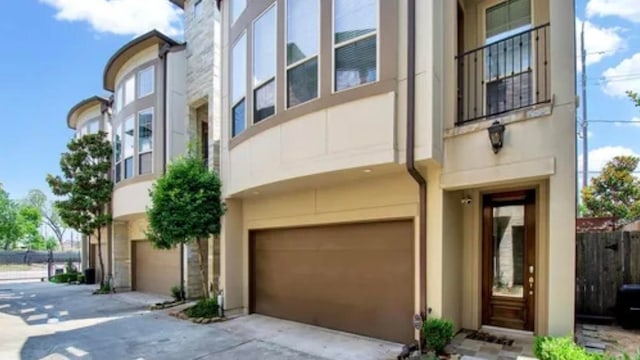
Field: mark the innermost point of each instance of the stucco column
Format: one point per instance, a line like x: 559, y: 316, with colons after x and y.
x: 233, y: 257
x: 121, y: 255
x: 562, y: 185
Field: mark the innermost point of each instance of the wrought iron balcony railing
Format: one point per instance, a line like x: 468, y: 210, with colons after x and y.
x: 503, y: 76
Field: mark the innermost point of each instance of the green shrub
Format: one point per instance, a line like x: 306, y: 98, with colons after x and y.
x: 70, y: 268
x: 206, y: 308
x: 561, y: 348
x: 60, y: 278
x: 176, y: 293
x: 81, y: 278
x: 438, y: 333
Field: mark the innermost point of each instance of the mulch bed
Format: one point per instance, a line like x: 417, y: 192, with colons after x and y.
x: 486, y: 337
x: 201, y: 320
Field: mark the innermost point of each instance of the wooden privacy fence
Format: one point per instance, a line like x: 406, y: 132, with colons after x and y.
x: 604, y: 261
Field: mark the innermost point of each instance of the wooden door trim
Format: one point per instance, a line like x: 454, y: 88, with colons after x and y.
x: 527, y: 198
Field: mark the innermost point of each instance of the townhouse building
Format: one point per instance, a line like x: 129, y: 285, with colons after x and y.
x: 382, y: 159
x: 379, y: 159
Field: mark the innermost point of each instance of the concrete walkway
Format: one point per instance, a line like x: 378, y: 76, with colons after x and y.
x: 49, y: 321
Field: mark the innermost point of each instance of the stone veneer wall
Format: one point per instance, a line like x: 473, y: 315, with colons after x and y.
x: 203, y: 75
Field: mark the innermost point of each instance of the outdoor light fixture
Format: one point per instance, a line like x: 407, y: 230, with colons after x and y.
x: 496, y: 135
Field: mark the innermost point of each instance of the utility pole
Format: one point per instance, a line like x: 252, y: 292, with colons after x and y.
x: 585, y: 145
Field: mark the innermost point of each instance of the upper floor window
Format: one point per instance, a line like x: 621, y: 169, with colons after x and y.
x: 129, y: 90
x: 128, y: 145
x: 238, y: 85
x: 302, y: 50
x: 508, y: 69
x: 355, y: 25
x: 197, y: 9
x: 264, y: 65
x: 118, y: 98
x: 145, y: 82
x: 145, y: 141
x: 117, y: 152
x: 237, y: 7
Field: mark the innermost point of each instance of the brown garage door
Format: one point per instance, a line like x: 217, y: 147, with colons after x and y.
x: 156, y: 271
x: 356, y: 278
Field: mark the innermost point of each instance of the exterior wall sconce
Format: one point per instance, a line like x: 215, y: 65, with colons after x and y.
x: 496, y: 135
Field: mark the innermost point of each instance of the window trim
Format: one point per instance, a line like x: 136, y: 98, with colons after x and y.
x: 231, y: 14
x: 138, y: 150
x: 125, y: 92
x: 259, y: 85
x: 335, y: 46
x: 132, y: 157
x: 139, y: 95
x: 232, y: 101
x: 288, y: 67
x: 482, y: 27
x: 117, y: 162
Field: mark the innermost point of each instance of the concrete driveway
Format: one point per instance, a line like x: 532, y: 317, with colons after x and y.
x: 49, y: 321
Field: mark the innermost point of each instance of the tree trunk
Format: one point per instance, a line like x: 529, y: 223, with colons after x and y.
x: 100, y: 258
x: 205, y: 291
x: 60, y: 240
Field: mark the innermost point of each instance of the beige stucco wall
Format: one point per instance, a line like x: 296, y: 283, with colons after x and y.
x: 148, y: 54
x: 131, y: 199
x: 352, y: 135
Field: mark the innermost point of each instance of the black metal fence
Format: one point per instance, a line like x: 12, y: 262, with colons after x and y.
x: 28, y: 264
x: 505, y: 75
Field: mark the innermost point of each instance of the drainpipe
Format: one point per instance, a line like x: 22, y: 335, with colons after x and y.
x: 410, y: 162
x: 164, y: 51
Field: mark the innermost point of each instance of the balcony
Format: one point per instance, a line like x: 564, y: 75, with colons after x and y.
x: 503, y: 76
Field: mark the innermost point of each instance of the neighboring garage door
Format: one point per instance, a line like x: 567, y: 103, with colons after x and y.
x: 156, y: 271
x: 356, y: 278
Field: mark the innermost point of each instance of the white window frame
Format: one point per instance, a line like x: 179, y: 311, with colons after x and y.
x: 119, y: 98
x: 302, y: 61
x: 139, y: 151
x: 127, y: 90
x: 233, y: 101
x: 335, y: 46
x: 150, y: 68
x: 235, y: 17
x: 117, y: 163
x: 133, y: 156
x: 257, y: 86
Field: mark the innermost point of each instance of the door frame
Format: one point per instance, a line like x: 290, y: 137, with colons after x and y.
x: 528, y: 198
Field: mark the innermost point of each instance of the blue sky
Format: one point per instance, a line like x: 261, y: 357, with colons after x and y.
x: 53, y: 56
x: 54, y: 52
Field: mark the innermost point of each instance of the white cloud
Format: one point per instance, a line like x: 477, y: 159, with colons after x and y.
x: 600, y: 156
x: 626, y: 9
x: 121, y: 17
x: 600, y: 42
x: 624, y: 76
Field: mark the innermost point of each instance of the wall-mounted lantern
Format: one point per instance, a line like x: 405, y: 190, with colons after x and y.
x: 496, y: 135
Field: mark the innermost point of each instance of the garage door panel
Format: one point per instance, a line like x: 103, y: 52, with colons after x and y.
x: 356, y: 278
x: 156, y: 271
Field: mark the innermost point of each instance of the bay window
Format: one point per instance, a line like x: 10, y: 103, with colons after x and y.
x: 129, y: 90
x: 302, y: 50
x: 145, y: 82
x: 264, y: 65
x: 237, y: 7
x: 355, y: 25
x: 145, y: 141
x: 117, y: 153
x: 128, y: 145
x: 238, y: 85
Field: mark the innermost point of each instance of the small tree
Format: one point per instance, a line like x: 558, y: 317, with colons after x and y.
x: 616, y: 191
x: 185, y: 208
x: 86, y: 186
x: 9, y: 230
x: 50, y: 215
